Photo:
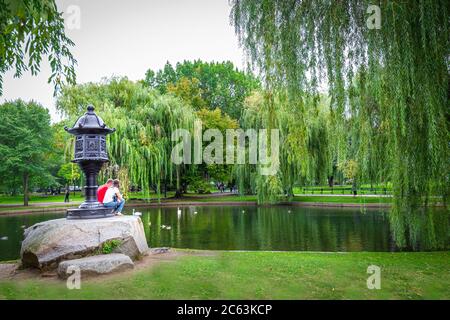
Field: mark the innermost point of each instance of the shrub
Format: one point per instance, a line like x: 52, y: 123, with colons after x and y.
x: 109, y: 246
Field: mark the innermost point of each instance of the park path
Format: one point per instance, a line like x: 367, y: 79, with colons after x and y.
x: 342, y: 195
x: 210, y: 195
x: 39, y: 204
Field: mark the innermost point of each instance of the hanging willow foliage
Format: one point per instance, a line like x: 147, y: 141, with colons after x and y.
x: 304, y: 144
x: 402, y: 71
x: 144, y: 122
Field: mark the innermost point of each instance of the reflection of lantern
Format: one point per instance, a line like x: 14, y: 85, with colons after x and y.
x: 90, y: 153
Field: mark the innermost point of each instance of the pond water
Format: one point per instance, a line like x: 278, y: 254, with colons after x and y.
x: 241, y: 228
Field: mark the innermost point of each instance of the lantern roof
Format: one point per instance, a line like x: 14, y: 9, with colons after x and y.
x: 89, y: 123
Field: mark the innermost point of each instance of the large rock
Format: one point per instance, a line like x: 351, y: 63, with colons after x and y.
x: 47, y: 243
x: 95, y: 265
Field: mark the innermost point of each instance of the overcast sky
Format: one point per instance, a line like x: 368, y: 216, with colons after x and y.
x: 125, y: 38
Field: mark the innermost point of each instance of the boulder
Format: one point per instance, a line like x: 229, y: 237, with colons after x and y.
x: 47, y: 243
x: 95, y: 265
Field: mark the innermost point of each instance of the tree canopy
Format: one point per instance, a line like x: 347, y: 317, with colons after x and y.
x: 31, y: 29
x: 25, y: 143
x: 144, y: 120
x: 206, y: 84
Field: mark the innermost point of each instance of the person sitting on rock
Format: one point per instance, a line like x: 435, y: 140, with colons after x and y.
x: 102, y: 190
x: 113, y: 198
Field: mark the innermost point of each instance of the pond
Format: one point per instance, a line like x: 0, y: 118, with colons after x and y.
x: 242, y: 228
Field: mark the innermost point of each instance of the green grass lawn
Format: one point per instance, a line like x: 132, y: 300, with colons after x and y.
x: 39, y: 198
x: 202, y: 198
x: 322, y: 199
x: 317, y: 199
x: 191, y: 197
x: 37, y: 209
x: 337, y: 199
x: 343, y: 189
x: 260, y: 275
x: 227, y: 198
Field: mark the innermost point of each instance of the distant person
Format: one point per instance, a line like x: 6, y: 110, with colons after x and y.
x: 354, y: 190
x: 113, y: 198
x: 102, y: 190
x: 67, y: 195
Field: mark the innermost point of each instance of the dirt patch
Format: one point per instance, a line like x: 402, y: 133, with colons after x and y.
x: 13, y: 271
x: 7, y: 269
x: 152, y: 259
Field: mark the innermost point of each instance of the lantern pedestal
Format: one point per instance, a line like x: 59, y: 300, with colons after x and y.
x: 94, y: 213
x: 90, y: 153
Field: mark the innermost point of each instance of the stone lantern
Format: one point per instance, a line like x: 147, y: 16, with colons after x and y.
x: 90, y: 153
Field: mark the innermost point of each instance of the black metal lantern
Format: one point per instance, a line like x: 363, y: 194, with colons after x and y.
x: 90, y: 153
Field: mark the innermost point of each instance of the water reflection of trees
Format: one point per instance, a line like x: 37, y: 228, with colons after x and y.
x: 421, y: 229
x: 13, y: 227
x: 271, y: 228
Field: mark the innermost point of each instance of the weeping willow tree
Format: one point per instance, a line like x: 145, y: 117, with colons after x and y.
x: 259, y: 114
x: 404, y: 60
x: 368, y: 133
x: 140, y: 149
x: 304, y: 151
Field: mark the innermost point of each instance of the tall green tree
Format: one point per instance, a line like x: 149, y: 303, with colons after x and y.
x: 25, y: 142
x: 216, y: 119
x: 31, y: 29
x: 221, y: 84
x: 145, y: 121
x: 70, y: 173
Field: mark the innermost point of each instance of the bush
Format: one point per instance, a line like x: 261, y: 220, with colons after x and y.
x: 200, y: 186
x: 109, y: 246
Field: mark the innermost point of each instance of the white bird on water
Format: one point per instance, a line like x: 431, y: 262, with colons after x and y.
x: 137, y: 213
x: 4, y: 238
x: 178, y: 211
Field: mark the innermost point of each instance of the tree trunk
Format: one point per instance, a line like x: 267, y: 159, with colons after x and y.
x: 165, y: 188
x: 179, y: 190
x: 354, y: 187
x: 330, y: 181
x: 25, y: 189
x: 178, y: 193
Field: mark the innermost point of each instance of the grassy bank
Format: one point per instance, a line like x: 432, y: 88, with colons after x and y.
x: 36, y: 199
x: 342, y: 199
x: 7, y: 206
x: 260, y: 275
